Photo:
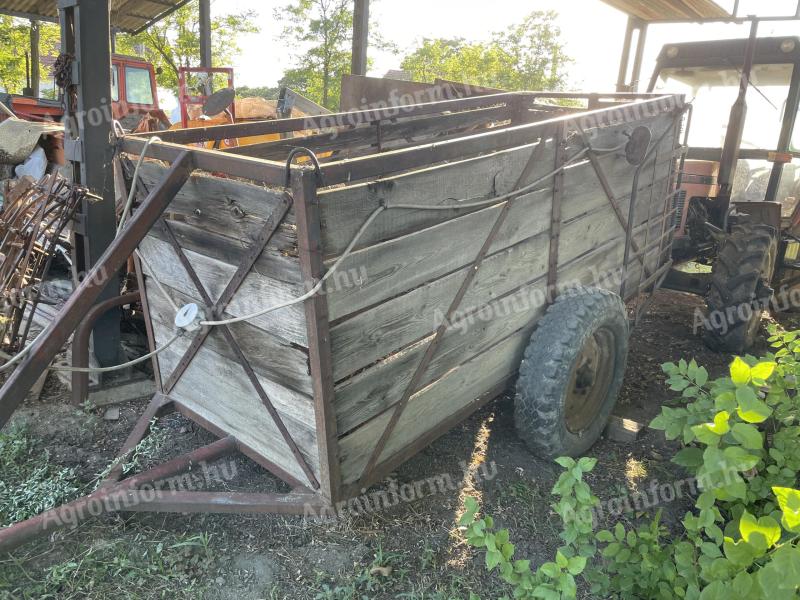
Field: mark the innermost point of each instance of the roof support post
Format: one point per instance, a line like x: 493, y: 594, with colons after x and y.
x: 35, y: 75
x: 625, y: 59
x: 205, y: 34
x: 360, y: 37
x: 638, y: 27
x: 85, y: 33
x: 639, y: 58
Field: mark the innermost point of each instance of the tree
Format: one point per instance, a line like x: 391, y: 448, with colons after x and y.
x: 527, y: 56
x: 174, y: 42
x: 270, y: 93
x: 15, y: 42
x: 324, y: 27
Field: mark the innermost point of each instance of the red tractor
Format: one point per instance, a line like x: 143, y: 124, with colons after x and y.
x: 134, y: 98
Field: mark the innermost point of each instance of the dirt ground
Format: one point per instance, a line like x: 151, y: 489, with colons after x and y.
x: 410, y: 551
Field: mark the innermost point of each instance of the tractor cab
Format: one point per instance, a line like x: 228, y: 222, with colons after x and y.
x: 134, y: 98
x: 767, y: 169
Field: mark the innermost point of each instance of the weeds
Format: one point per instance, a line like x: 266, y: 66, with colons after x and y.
x: 30, y: 484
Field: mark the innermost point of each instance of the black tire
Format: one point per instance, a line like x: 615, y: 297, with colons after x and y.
x: 557, y: 370
x: 740, y: 287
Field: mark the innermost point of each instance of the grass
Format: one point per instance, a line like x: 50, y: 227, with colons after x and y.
x: 30, y: 483
x: 147, y: 564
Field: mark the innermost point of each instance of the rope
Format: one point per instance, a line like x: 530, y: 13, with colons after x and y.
x: 349, y: 250
x: 126, y: 365
x: 458, y: 205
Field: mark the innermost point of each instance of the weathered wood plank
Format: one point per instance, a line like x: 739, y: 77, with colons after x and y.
x: 218, y: 390
x: 256, y: 292
x: 225, y: 206
x: 271, y: 357
x: 431, y: 406
x: 343, y: 210
x: 391, y: 268
x: 373, y: 390
x: 279, y: 259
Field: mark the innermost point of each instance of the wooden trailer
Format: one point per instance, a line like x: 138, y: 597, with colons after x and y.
x: 443, y: 232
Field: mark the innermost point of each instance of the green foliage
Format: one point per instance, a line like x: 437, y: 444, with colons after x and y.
x: 528, y: 56
x: 270, y: 93
x: 29, y: 484
x: 15, y: 42
x: 174, y: 41
x: 324, y: 29
x: 742, y: 541
x: 552, y: 580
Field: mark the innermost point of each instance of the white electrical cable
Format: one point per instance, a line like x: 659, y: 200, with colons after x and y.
x: 20, y: 355
x: 131, y: 363
x: 311, y: 293
x: 348, y: 251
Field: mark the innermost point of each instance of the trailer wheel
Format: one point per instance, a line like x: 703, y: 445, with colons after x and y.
x: 740, y: 286
x: 572, y: 372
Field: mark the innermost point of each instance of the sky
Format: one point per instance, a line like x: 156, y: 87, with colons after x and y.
x: 592, y: 31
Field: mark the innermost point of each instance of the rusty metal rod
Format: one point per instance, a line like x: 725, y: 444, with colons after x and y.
x: 80, y: 343
x: 108, y: 499
x: 112, y: 260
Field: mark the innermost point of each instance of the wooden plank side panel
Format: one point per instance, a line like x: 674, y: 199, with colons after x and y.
x: 431, y: 406
x: 256, y: 292
x: 217, y: 389
x: 221, y: 218
x: 343, y: 210
x: 360, y: 340
x: 380, y: 386
x: 393, y: 267
x: 273, y: 358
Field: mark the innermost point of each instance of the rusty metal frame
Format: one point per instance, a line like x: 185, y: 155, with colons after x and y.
x: 555, y: 212
x: 80, y: 343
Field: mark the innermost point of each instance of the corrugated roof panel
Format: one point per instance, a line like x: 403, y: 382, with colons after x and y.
x: 126, y: 15
x: 670, y: 10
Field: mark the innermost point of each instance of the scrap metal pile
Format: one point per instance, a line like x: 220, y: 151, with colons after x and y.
x: 33, y: 223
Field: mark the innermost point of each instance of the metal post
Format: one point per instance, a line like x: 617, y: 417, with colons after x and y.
x: 626, y: 56
x: 639, y: 58
x: 785, y: 141
x: 85, y: 27
x: 35, y: 75
x: 360, y: 37
x: 733, y: 139
x: 205, y: 34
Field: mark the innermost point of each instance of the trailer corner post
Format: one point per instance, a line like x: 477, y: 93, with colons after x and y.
x: 360, y: 37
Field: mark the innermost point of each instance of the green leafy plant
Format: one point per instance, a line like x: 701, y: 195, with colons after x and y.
x: 741, y: 443
x: 552, y: 580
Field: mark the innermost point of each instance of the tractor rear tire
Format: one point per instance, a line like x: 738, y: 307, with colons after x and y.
x: 572, y: 373
x: 740, y: 287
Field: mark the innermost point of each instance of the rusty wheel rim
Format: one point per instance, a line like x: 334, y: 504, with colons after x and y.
x: 590, y: 381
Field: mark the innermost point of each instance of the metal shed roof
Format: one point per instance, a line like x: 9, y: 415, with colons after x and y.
x: 670, y: 10
x: 131, y: 16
